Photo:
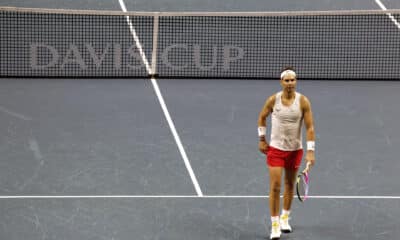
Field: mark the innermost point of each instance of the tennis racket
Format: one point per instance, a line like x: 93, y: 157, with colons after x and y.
x: 303, y: 183
x: 302, y: 186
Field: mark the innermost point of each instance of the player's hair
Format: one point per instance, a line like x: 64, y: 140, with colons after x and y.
x: 288, y: 68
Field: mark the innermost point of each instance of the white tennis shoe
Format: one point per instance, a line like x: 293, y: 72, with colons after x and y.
x: 275, y: 230
x: 284, y: 222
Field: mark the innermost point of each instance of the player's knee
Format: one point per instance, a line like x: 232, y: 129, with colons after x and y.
x: 276, y: 187
x: 289, y: 186
x: 289, y: 191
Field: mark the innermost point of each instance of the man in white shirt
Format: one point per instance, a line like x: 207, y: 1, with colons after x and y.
x: 288, y: 110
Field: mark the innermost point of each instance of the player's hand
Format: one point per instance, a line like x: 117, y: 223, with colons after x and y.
x: 310, y: 159
x: 263, y: 146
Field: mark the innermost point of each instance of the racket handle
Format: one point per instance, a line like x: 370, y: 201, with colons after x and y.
x: 308, y: 166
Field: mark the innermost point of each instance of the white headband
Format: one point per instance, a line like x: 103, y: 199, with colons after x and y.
x: 284, y: 73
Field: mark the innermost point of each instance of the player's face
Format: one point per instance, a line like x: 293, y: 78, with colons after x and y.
x: 288, y: 83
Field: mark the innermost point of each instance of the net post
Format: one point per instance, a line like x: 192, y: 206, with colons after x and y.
x: 155, y: 46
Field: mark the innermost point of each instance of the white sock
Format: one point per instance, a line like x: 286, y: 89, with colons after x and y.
x: 285, y: 212
x: 275, y: 219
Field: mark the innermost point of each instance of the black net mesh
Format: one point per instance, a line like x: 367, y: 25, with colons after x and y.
x: 350, y: 45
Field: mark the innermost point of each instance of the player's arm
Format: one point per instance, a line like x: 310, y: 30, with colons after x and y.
x: 262, y: 123
x: 310, y: 134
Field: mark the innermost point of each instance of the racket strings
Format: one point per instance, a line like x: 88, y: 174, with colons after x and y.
x: 303, y: 186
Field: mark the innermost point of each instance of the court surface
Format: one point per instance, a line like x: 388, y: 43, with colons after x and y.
x: 95, y: 158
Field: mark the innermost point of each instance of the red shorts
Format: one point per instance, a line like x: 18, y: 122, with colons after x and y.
x: 286, y: 159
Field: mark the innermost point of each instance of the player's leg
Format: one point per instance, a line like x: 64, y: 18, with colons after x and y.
x: 288, y: 192
x: 275, y: 176
x: 289, y: 185
x: 292, y: 165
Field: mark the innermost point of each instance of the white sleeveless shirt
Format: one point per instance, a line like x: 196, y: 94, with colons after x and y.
x: 286, y: 124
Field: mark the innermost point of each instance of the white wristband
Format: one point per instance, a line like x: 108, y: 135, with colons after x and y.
x: 262, y: 131
x: 311, y: 145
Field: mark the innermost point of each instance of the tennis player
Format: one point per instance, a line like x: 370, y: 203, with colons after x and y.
x: 288, y: 110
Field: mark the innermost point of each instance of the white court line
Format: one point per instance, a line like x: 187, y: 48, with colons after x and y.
x: 186, y: 197
x: 135, y: 37
x: 389, y: 15
x: 163, y: 105
x: 177, y: 138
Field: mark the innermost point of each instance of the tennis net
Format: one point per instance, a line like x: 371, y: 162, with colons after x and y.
x: 320, y: 45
